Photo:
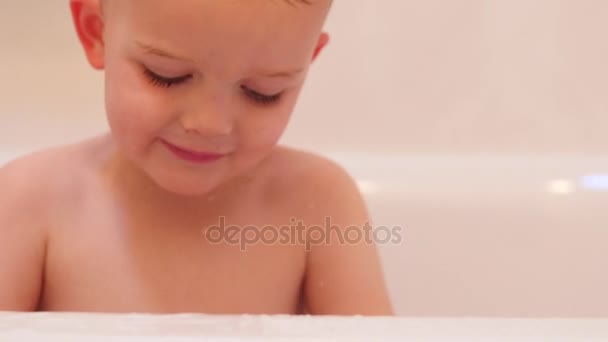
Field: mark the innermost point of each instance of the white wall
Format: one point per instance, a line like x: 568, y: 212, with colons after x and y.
x: 471, y: 123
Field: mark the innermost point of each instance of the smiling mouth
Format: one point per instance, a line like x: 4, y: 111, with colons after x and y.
x: 192, y: 156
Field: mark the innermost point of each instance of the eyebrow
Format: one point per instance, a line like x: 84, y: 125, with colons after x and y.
x: 160, y: 52
x: 271, y: 74
x: 283, y: 74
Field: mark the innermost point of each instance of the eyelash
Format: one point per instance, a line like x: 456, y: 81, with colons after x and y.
x: 165, y: 82
x: 261, y: 98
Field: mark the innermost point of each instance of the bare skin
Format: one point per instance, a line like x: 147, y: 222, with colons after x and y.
x: 89, y: 235
x: 119, y: 223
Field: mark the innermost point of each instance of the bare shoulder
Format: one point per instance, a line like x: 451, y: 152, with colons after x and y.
x: 313, y: 181
x: 344, y: 275
x: 32, y: 186
x: 26, y: 179
x: 304, y: 160
x: 38, y: 180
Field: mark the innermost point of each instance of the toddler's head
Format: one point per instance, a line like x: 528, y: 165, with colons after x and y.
x: 200, y: 91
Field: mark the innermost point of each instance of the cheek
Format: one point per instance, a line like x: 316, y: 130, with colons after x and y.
x: 260, y: 132
x: 258, y: 137
x: 135, y: 111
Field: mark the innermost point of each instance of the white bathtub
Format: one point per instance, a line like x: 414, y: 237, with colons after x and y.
x: 492, y: 236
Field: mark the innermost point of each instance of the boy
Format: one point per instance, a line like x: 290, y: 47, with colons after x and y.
x: 198, y: 92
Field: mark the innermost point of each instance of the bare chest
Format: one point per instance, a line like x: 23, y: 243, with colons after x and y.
x: 107, y: 261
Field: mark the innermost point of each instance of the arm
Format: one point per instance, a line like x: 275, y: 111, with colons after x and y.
x: 22, y: 241
x: 345, y: 278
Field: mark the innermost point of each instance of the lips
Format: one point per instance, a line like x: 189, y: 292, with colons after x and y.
x: 192, y: 156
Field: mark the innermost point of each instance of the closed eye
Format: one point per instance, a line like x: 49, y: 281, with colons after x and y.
x: 261, y: 98
x: 164, y: 82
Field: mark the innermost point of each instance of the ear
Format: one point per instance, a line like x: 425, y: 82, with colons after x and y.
x: 321, y: 44
x: 88, y: 20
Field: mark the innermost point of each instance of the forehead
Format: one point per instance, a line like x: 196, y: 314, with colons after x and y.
x: 228, y: 20
x: 275, y: 29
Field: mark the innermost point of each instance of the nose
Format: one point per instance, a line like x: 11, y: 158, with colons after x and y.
x: 210, y: 116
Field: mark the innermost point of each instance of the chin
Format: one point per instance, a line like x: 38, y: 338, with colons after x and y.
x: 184, y: 181
x: 184, y: 186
